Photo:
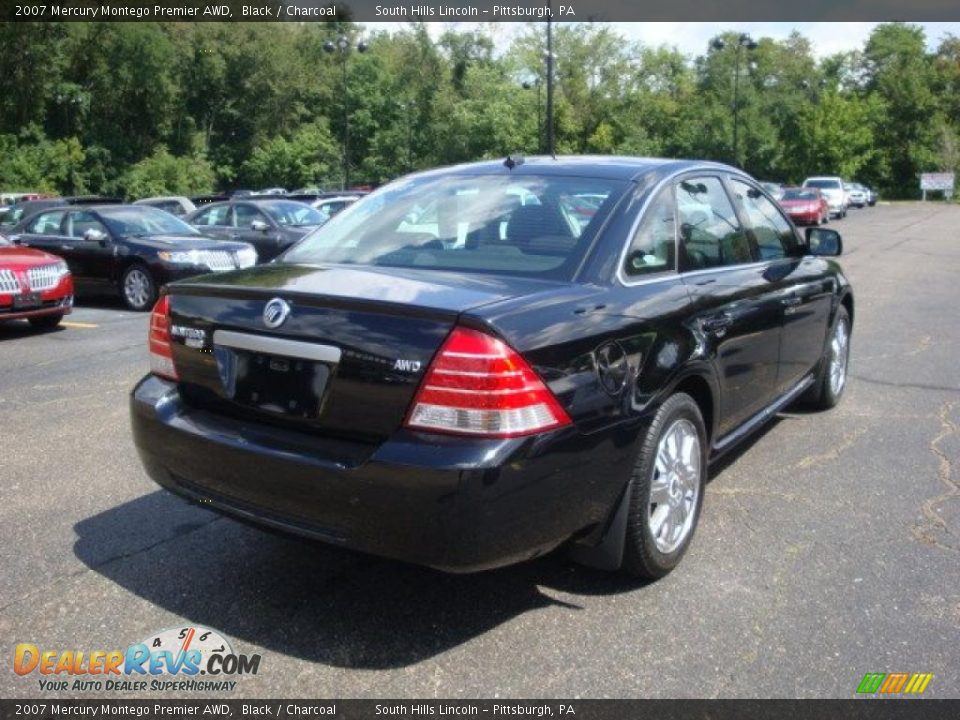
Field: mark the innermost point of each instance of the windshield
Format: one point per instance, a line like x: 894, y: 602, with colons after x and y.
x: 528, y: 225
x: 799, y: 195
x: 292, y: 214
x: 142, y: 220
x: 824, y: 184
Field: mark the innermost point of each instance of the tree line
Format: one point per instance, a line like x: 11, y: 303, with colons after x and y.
x: 135, y: 109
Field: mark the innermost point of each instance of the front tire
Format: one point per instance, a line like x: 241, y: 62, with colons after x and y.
x: 46, y: 322
x: 138, y: 288
x: 666, y: 491
x: 832, y: 376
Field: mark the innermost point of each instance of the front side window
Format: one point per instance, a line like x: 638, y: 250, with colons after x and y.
x: 530, y: 225
x: 213, y: 216
x: 771, y: 231
x: 47, y: 223
x: 292, y: 214
x: 79, y: 221
x: 244, y: 215
x: 710, y: 233
x: 653, y: 248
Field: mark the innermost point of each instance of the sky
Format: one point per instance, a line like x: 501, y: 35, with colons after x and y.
x: 691, y: 37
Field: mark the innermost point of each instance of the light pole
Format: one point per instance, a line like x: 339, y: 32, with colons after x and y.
x: 343, y: 46
x: 527, y: 85
x: 551, y: 150
x: 409, y: 106
x: 71, y: 100
x: 744, y: 41
x: 815, y: 93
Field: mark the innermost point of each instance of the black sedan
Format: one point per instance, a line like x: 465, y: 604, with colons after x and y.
x: 132, y: 249
x: 473, y: 366
x: 271, y: 226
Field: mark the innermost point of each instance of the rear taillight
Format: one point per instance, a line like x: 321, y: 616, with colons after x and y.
x: 479, y: 385
x: 161, y: 357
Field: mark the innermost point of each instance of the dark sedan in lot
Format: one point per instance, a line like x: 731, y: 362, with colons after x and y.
x: 463, y: 370
x: 127, y: 248
x: 270, y: 225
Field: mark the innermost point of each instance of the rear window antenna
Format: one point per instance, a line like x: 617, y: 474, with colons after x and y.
x: 513, y: 161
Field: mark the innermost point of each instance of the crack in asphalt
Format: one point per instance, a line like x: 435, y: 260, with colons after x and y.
x: 926, y: 532
x: 834, y: 453
x: 70, y: 576
x: 914, y: 386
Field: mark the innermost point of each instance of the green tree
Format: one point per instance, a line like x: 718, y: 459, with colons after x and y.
x: 164, y: 174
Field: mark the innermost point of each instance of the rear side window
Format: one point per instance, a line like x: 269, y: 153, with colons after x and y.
x: 528, y: 225
x: 771, y: 231
x: 653, y: 248
x: 710, y: 233
x: 47, y: 223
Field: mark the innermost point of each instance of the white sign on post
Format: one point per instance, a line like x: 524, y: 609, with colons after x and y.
x: 942, y: 182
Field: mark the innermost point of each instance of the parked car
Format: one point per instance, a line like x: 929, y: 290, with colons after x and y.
x: 270, y: 225
x: 832, y: 189
x: 856, y: 195
x: 806, y: 206
x: 25, y: 209
x: 774, y: 189
x: 128, y: 248
x: 173, y: 204
x: 272, y: 191
x: 872, y: 196
x: 328, y: 207
x: 511, y: 382
x: 34, y: 286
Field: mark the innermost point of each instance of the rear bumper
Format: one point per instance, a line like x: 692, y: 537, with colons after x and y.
x: 456, y: 504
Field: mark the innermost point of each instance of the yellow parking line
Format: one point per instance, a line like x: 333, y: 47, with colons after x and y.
x: 81, y: 325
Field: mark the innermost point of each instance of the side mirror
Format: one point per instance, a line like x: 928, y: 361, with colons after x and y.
x: 94, y: 235
x: 259, y: 226
x: 823, y: 242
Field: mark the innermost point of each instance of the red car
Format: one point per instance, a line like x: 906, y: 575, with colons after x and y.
x: 34, y: 286
x: 806, y: 206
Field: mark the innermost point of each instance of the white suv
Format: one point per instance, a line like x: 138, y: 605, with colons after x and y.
x: 833, y: 191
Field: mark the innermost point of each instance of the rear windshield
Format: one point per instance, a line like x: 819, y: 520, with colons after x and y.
x: 800, y: 195
x: 538, y: 226
x: 826, y: 184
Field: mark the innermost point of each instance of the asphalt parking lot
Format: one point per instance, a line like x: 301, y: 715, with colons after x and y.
x: 828, y: 548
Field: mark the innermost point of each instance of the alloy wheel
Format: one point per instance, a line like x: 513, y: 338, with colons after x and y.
x: 675, y: 487
x: 137, y: 287
x: 839, y: 354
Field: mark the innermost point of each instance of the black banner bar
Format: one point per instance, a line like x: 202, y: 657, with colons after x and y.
x: 477, y: 10
x: 855, y: 709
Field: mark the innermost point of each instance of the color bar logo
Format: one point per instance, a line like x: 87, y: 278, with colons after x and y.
x: 894, y: 683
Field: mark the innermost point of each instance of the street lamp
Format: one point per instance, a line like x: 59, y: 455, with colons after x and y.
x: 815, y: 93
x: 550, y: 57
x: 744, y: 41
x: 527, y: 84
x: 343, y: 46
x: 409, y: 106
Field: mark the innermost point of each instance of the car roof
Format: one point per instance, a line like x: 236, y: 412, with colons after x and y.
x: 161, y: 198
x: 612, y: 167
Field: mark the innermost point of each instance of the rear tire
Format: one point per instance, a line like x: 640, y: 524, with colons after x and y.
x: 138, y: 289
x: 666, y: 490
x: 46, y: 322
x: 831, y: 379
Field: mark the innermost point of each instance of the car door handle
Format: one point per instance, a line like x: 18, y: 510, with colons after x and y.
x: 792, y: 301
x: 717, y: 323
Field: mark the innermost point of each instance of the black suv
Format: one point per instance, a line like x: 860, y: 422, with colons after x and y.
x: 481, y: 363
x: 133, y: 249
